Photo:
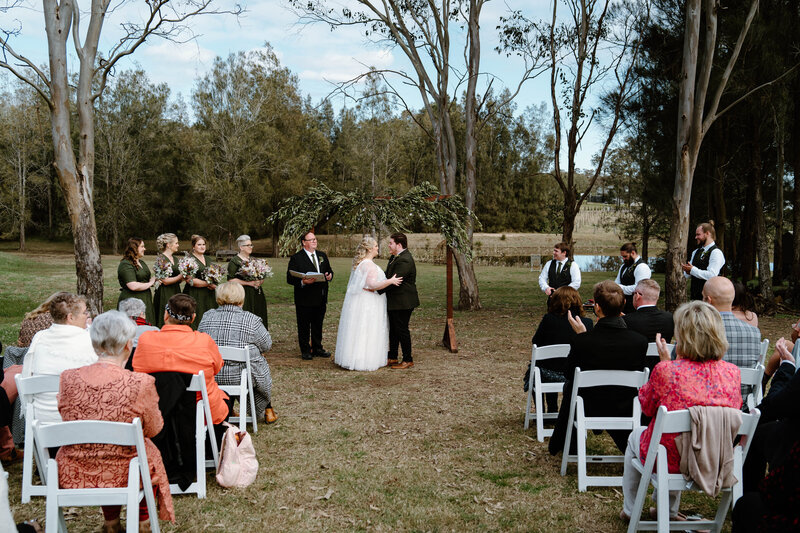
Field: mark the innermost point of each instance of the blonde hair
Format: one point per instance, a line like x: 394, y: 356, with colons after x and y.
x: 363, y: 248
x: 699, y: 332
x: 44, y: 307
x: 164, y: 239
x: 229, y: 293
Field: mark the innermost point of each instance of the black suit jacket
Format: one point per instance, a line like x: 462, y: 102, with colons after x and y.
x: 609, y: 346
x: 403, y: 296
x: 781, y: 403
x: 649, y: 321
x: 314, y: 294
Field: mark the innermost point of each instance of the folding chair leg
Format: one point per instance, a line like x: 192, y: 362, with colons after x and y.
x: 662, y: 502
x: 200, y: 450
x: 253, y: 404
x: 132, y: 521
x: 528, y: 411
x: 582, y: 474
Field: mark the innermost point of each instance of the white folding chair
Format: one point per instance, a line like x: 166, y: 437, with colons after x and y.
x: 245, y: 389
x: 652, y: 350
x: 536, y: 399
x: 27, y: 388
x: 752, y: 377
x: 204, y: 424
x: 97, y: 432
x: 581, y: 424
x: 655, y: 470
x: 763, y: 354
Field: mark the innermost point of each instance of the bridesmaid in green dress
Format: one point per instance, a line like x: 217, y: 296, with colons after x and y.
x: 254, y: 299
x: 197, y: 287
x: 134, y: 277
x: 167, y: 246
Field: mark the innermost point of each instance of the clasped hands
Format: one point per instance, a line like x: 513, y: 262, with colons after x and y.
x: 687, y: 267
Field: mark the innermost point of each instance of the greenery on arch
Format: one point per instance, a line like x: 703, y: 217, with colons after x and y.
x: 357, y: 211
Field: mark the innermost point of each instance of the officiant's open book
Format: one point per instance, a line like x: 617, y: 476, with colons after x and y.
x: 316, y: 276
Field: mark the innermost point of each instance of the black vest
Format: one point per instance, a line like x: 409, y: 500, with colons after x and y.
x: 562, y: 279
x: 626, y: 277
x: 700, y: 260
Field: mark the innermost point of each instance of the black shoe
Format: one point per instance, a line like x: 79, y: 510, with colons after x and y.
x: 322, y: 354
x: 307, y: 356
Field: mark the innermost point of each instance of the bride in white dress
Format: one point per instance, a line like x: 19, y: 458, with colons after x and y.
x: 362, y: 342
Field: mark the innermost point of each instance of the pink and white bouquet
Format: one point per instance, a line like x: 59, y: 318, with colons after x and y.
x: 162, y: 269
x: 188, y: 267
x: 255, y: 269
x: 215, y: 274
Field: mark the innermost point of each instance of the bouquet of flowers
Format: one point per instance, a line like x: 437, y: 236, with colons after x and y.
x: 255, y: 269
x: 188, y: 267
x: 162, y: 269
x: 215, y: 274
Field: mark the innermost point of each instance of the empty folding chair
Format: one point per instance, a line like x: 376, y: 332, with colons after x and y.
x: 537, y: 388
x: 655, y: 471
x: 241, y: 355
x: 27, y: 388
x: 579, y: 424
x: 97, y: 432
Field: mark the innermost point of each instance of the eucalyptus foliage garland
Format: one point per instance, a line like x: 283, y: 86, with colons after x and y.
x: 358, y: 210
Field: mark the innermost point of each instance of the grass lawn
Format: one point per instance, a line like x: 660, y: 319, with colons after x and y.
x: 439, y: 447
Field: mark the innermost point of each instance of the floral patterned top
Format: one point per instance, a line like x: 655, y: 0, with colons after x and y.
x: 681, y: 384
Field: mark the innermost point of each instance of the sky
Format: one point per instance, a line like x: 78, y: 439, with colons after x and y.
x: 318, y: 56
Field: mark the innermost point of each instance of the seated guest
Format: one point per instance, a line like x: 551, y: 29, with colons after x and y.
x: 648, y: 319
x: 698, y: 376
x: 178, y: 348
x: 135, y: 309
x: 64, y: 345
x: 779, y: 426
x: 609, y: 346
x: 791, y: 346
x: 35, y: 321
x: 231, y: 325
x: 116, y: 395
x: 555, y: 329
x: 743, y: 306
x: 8, y: 394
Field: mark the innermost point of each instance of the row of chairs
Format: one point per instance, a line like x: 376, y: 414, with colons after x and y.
x: 39, y: 438
x: 667, y: 422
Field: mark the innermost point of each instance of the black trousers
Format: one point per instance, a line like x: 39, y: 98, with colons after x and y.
x: 309, y: 321
x: 771, y: 444
x: 399, y: 333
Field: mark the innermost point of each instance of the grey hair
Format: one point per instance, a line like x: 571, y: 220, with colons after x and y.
x: 242, y: 238
x: 110, y: 332
x: 132, y: 307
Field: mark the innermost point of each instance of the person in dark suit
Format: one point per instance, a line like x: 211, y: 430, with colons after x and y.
x: 609, y: 346
x: 648, y: 319
x: 779, y: 425
x: 310, y: 296
x: 555, y: 329
x: 401, y: 300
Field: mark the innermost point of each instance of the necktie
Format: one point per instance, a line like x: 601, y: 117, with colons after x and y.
x: 314, y: 258
x: 558, y: 268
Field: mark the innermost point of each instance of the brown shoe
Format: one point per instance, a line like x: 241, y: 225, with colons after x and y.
x: 112, y: 526
x: 403, y: 365
x: 144, y: 526
x: 391, y: 362
x: 13, y: 457
x: 269, y: 415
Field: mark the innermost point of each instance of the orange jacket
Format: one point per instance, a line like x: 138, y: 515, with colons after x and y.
x: 180, y: 349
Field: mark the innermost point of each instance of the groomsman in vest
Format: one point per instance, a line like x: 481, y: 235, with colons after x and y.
x: 706, y: 261
x: 310, y: 296
x: 633, y: 270
x: 559, y: 271
x: 401, y: 300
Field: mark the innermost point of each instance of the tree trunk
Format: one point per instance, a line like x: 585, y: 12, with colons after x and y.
x: 777, y: 256
x: 468, y: 284
x: 76, y: 183
x: 795, y: 278
x: 570, y: 213
x: 762, y: 239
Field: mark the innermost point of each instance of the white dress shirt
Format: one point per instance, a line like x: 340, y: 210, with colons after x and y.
x: 715, y: 263
x: 642, y: 271
x: 574, y: 272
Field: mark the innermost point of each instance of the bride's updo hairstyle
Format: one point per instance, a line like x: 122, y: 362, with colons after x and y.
x: 366, y: 244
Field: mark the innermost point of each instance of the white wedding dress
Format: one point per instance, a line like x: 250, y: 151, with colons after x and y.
x: 362, y: 342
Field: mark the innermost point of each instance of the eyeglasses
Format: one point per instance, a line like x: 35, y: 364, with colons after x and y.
x: 637, y: 292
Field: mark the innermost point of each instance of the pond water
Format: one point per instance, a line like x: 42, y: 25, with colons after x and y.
x: 608, y: 263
